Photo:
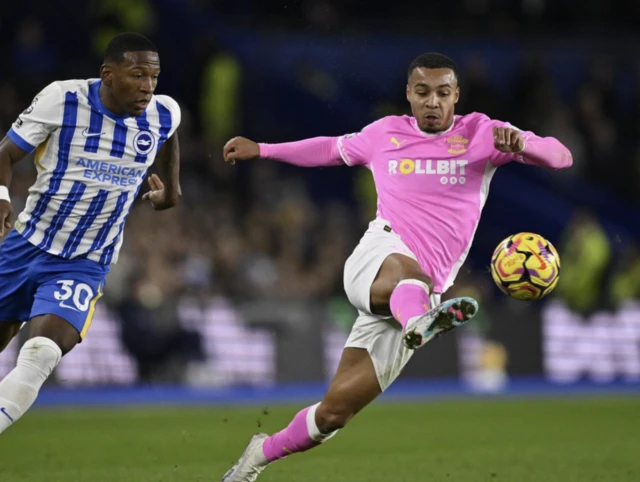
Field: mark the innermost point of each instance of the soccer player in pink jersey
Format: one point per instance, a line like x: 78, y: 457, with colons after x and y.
x: 432, y: 172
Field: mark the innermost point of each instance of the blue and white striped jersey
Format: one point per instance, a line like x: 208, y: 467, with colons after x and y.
x: 91, y: 164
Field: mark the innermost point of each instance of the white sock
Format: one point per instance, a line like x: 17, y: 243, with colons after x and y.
x: 19, y: 389
x: 312, y: 427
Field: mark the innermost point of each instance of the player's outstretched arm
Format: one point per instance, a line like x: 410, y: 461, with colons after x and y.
x: 10, y: 154
x: 546, y: 152
x: 165, y: 195
x: 240, y: 149
x: 315, y: 152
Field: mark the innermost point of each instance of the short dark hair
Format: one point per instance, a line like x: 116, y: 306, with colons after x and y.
x: 127, y: 42
x: 432, y: 60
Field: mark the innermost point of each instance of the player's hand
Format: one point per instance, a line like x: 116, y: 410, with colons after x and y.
x: 157, y: 194
x: 506, y: 139
x: 240, y: 149
x: 6, y: 214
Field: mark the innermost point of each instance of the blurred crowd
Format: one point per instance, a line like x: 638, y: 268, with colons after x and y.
x: 256, y: 230
x: 464, y: 17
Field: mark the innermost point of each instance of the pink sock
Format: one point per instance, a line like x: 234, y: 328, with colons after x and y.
x: 408, y: 300
x: 302, y: 434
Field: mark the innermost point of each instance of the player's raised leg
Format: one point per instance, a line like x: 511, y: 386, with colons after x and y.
x: 402, y: 290
x: 382, y: 279
x: 354, y: 386
x: 50, y: 337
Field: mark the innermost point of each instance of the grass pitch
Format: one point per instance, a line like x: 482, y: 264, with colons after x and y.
x: 541, y: 440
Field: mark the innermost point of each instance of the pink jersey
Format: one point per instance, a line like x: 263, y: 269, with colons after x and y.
x: 431, y: 187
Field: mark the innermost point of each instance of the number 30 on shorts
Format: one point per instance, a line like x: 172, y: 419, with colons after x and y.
x: 80, y: 294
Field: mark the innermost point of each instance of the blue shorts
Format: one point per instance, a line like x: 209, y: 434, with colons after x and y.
x: 34, y: 282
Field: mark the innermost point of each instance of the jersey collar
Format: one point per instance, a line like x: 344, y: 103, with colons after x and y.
x: 94, y: 100
x: 414, y: 123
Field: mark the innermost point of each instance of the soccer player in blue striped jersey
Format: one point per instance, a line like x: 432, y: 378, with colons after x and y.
x: 94, y: 141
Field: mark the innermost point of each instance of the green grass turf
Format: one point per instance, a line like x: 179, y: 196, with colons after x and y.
x: 543, y: 440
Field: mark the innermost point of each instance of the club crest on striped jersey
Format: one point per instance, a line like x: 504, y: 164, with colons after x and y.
x: 144, y: 142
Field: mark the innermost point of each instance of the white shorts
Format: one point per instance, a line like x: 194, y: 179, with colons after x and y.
x: 381, y: 336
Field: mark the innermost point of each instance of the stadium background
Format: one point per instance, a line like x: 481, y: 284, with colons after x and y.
x: 237, y: 293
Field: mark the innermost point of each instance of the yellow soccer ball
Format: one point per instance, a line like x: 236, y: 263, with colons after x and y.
x: 525, y: 266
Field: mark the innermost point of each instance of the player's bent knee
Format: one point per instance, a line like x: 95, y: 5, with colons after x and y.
x: 40, y: 354
x: 331, y: 418
x: 395, y: 269
x: 58, y: 330
x: 424, y: 278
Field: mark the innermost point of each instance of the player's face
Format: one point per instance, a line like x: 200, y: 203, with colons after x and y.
x: 433, y: 94
x: 132, y: 81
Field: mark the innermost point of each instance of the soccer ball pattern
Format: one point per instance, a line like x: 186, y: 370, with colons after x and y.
x: 525, y: 266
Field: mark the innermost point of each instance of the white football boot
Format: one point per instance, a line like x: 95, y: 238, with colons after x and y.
x: 446, y: 316
x: 251, y: 462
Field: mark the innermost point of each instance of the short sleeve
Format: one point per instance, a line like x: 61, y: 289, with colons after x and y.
x: 174, y: 109
x: 356, y: 149
x: 40, y: 119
